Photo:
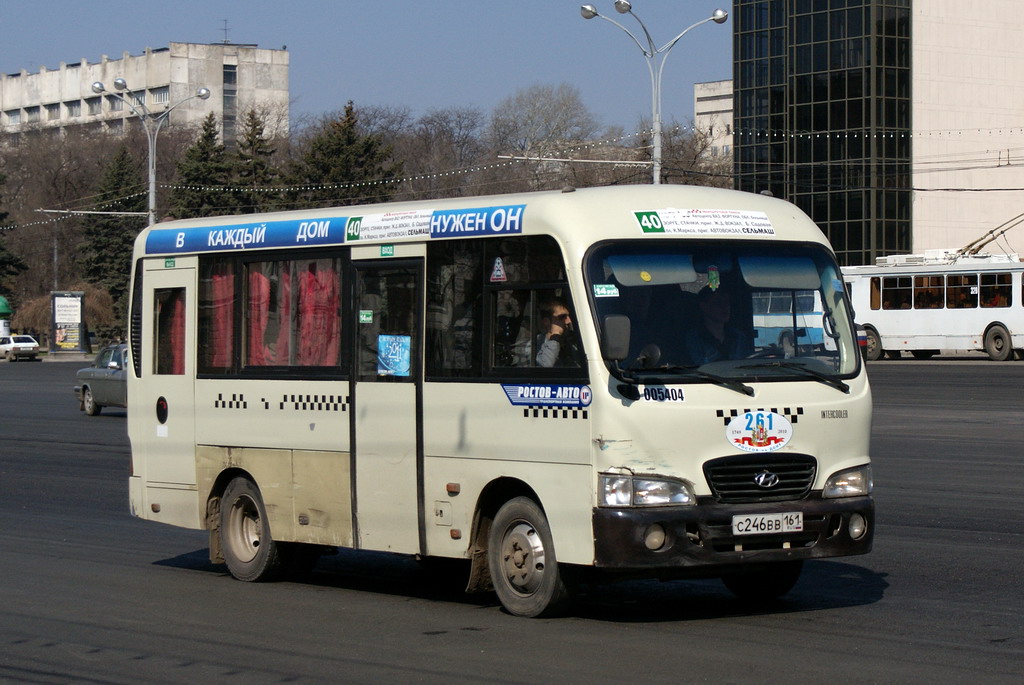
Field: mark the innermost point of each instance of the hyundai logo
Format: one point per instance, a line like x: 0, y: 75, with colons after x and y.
x: 766, y: 479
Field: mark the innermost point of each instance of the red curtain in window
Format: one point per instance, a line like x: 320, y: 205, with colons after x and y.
x: 258, y: 312
x: 222, y: 333
x: 319, y: 321
x: 269, y: 314
x: 176, y: 332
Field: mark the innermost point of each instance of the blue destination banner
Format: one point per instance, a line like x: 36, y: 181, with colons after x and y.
x: 454, y: 223
x: 292, y: 233
x: 441, y: 223
x: 534, y: 395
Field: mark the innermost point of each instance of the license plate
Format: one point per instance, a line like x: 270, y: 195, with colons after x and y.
x: 764, y: 524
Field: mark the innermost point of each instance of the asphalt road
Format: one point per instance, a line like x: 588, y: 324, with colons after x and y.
x: 88, y: 594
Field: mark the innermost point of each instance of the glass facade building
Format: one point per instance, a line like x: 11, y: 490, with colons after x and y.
x: 822, y: 115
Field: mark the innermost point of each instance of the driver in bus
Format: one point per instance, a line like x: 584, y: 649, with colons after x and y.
x: 560, y: 344
x: 715, y: 337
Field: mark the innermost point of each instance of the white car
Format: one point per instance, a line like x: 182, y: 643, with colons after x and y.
x: 15, y: 347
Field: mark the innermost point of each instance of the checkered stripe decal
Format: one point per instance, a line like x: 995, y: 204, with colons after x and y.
x: 290, y: 401
x: 791, y: 413
x: 554, y: 413
x: 237, y: 401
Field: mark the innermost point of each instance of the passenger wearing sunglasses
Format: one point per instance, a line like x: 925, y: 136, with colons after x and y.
x: 560, y: 344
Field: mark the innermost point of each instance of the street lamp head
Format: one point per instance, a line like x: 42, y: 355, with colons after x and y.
x: 623, y: 6
x: 203, y: 93
x: 120, y: 84
x: 588, y: 11
x: 98, y: 87
x: 719, y: 16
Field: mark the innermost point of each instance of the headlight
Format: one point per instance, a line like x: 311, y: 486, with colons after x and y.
x: 623, y: 491
x: 855, y: 482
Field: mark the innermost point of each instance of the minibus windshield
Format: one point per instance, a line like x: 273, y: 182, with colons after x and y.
x: 714, y: 311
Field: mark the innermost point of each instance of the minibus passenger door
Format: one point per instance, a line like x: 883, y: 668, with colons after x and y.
x: 165, y: 409
x: 387, y: 404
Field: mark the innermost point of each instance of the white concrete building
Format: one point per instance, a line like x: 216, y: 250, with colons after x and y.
x: 967, y: 122
x: 240, y: 77
x: 712, y: 115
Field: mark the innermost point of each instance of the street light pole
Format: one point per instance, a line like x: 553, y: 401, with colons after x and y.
x: 651, y: 54
x: 151, y: 124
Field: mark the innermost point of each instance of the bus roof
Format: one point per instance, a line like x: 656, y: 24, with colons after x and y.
x: 581, y: 216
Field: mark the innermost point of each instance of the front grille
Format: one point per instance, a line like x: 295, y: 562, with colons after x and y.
x: 733, y: 479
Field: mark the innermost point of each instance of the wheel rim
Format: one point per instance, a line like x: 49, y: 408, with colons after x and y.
x: 88, y: 400
x: 244, y: 529
x: 522, y: 558
x: 872, y: 343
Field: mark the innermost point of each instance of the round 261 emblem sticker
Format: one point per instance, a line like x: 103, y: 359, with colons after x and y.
x: 759, y: 431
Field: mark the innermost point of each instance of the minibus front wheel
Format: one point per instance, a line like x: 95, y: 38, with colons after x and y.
x: 521, y: 558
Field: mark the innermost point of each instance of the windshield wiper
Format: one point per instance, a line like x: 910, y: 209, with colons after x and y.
x: 657, y: 375
x: 816, y: 375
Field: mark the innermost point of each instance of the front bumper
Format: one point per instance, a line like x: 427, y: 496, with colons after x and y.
x: 699, y: 539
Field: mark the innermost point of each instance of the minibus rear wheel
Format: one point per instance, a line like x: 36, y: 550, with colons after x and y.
x: 521, y: 558
x: 249, y: 551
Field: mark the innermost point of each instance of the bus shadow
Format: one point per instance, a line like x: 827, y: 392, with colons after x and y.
x: 823, y: 585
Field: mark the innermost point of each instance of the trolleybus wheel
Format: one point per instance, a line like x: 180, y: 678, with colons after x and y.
x: 771, y: 582
x: 874, y: 347
x: 521, y: 558
x: 249, y: 551
x: 997, y: 344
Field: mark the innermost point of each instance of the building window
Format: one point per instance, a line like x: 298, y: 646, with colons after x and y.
x: 139, y: 98
x: 230, y: 75
x: 13, y: 116
x: 114, y: 103
x: 74, y: 108
x: 94, y: 106
x: 52, y: 112
x: 161, y: 96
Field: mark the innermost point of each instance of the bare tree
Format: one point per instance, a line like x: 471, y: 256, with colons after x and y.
x: 538, y: 121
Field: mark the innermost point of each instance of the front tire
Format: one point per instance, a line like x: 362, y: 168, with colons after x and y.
x: 521, y: 558
x: 249, y: 551
x: 773, y: 581
x: 89, y: 402
x: 997, y: 344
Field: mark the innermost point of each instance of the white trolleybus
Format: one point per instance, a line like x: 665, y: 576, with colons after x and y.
x: 941, y: 300
x: 551, y: 386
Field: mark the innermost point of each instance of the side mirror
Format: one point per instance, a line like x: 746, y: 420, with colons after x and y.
x: 114, y: 364
x: 615, y: 337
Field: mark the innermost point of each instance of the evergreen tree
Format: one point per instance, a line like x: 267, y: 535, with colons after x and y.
x: 204, y: 175
x: 106, y: 256
x: 344, y: 158
x: 10, y: 264
x: 253, y: 166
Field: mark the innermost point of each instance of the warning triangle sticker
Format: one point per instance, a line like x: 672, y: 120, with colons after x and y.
x: 498, y: 272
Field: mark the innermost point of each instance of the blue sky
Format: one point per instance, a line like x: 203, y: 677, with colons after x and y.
x: 421, y: 55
